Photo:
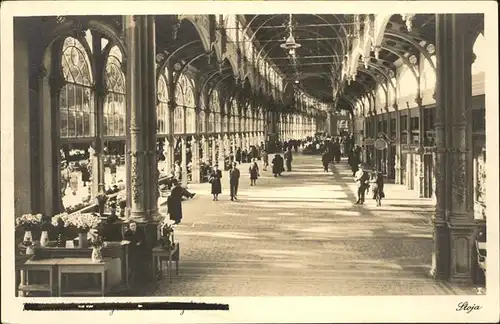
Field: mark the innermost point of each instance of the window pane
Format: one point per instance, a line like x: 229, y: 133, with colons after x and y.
x: 79, y: 124
x: 86, y: 124
x: 72, y: 124
x: 64, y: 122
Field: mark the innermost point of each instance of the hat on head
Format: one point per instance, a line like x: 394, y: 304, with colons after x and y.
x: 360, y: 165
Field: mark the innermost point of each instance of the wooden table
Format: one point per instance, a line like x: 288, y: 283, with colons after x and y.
x: 83, y: 265
x: 161, y: 254
x: 37, y: 265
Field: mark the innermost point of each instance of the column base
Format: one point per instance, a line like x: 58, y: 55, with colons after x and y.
x: 462, y: 242
x: 138, y: 217
x: 453, y: 255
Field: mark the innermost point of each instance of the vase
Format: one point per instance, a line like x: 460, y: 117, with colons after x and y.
x: 96, y: 254
x: 30, y: 250
x: 83, y: 241
x: 28, y: 237
x: 44, y: 238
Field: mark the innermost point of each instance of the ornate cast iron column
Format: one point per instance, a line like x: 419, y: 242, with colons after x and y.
x: 419, y: 156
x: 184, y: 179
x: 397, y: 167
x: 142, y: 187
x: 195, y: 160
x: 409, y: 154
x: 454, y: 225
x: 220, y: 158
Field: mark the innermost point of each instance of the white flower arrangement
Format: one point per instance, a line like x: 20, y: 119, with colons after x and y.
x: 62, y: 216
x: 83, y: 221
x: 28, y: 220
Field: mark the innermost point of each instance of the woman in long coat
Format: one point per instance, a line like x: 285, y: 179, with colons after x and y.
x: 214, y: 180
x: 254, y: 173
x: 276, y: 165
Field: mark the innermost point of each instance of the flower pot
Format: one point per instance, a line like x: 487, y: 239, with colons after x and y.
x: 96, y: 254
x: 83, y: 241
x: 44, y: 238
x: 30, y: 250
x: 28, y: 237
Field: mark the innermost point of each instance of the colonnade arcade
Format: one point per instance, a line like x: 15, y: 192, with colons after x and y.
x: 114, y: 96
x: 132, y: 95
x: 417, y: 82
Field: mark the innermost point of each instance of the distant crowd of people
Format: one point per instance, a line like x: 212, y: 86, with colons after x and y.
x: 278, y: 167
x: 332, y: 149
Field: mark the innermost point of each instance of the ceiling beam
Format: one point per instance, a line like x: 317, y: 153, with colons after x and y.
x: 304, y: 57
x: 284, y: 38
x: 305, y: 64
x: 303, y: 25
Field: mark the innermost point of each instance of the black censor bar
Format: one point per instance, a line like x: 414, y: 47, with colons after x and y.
x: 124, y: 306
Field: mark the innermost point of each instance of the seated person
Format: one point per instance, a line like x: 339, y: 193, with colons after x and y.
x: 136, y: 249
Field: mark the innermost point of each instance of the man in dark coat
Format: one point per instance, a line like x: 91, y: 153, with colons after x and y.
x: 174, y: 201
x: 234, y: 181
x: 276, y: 165
x: 288, y: 159
x: 238, y: 155
x: 326, y: 158
x: 336, y: 150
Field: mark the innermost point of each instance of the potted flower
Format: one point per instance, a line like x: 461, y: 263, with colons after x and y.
x: 83, y: 222
x: 96, y: 242
x: 30, y: 250
x: 59, y: 222
x: 166, y: 240
x: 101, y: 199
x: 28, y: 222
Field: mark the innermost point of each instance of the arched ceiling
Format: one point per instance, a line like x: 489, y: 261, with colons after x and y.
x: 318, y: 60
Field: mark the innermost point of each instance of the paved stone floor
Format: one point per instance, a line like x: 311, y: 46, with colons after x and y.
x: 302, y: 234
